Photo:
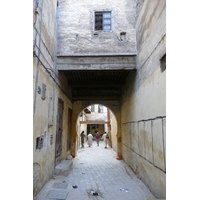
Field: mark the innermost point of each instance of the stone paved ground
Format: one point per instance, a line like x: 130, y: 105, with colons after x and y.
x: 96, y: 169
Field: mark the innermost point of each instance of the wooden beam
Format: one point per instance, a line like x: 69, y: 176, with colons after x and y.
x: 96, y: 84
x: 93, y: 98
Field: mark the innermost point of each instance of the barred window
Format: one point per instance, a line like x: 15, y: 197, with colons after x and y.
x: 103, y: 21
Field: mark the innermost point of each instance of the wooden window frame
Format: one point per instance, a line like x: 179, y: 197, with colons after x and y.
x: 103, y: 13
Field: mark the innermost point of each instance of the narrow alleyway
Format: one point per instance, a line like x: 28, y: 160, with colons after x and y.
x: 96, y: 169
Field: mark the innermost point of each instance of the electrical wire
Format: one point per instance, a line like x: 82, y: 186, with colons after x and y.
x: 47, y: 69
x: 145, y: 120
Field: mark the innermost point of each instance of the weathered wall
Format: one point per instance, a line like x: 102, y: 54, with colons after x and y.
x: 76, y: 27
x: 97, y: 116
x: 45, y: 109
x: 143, y: 108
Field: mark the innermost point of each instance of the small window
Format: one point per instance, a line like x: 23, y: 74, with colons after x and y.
x: 102, y: 21
x: 39, y: 142
x: 163, y: 63
x: 123, y: 36
x: 100, y: 109
x: 92, y: 108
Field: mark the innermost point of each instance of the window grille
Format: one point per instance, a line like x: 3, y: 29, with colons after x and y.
x: 103, y: 21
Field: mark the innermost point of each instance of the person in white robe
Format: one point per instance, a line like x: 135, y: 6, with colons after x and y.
x: 90, y: 137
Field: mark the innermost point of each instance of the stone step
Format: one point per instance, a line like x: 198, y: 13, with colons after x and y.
x: 63, y: 168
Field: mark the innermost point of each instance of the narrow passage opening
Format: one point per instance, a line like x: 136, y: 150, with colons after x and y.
x: 96, y: 127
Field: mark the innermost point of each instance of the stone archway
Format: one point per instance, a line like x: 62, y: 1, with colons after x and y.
x: 78, y: 106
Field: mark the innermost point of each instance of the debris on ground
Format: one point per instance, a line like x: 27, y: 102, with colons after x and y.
x: 119, y: 158
x: 95, y: 193
x: 122, y: 189
x: 74, y: 186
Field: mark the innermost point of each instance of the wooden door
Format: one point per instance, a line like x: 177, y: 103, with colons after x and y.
x: 59, y: 128
x: 69, y: 129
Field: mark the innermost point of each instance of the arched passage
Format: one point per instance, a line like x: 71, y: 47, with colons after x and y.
x: 97, y: 118
x: 78, y: 106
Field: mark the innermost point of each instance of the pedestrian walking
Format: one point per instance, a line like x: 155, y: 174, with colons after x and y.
x: 105, y: 137
x: 97, y: 138
x: 90, y: 137
x: 82, y: 139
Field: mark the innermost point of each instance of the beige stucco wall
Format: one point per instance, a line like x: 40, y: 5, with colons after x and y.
x: 45, y: 157
x: 113, y: 124
x: 144, y: 142
x: 45, y: 110
x: 76, y: 27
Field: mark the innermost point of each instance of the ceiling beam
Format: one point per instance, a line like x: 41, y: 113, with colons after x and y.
x: 97, y: 84
x: 94, y: 98
x: 98, y: 62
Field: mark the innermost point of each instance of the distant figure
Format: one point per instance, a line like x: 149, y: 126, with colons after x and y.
x: 105, y: 137
x: 97, y: 138
x: 82, y: 139
x: 90, y: 139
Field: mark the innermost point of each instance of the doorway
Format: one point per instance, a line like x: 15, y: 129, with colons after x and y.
x: 59, y: 128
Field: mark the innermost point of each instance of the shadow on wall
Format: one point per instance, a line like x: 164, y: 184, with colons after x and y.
x: 144, y: 149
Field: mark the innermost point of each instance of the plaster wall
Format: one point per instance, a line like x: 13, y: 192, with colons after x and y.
x: 143, y: 111
x: 76, y: 27
x: 97, y: 116
x: 45, y: 122
x: 113, y: 124
x: 45, y: 109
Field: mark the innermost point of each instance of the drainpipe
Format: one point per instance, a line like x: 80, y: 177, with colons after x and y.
x: 37, y: 74
x: 55, y: 75
x: 36, y: 13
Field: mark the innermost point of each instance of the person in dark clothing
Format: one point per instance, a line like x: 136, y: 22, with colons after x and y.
x: 82, y: 139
